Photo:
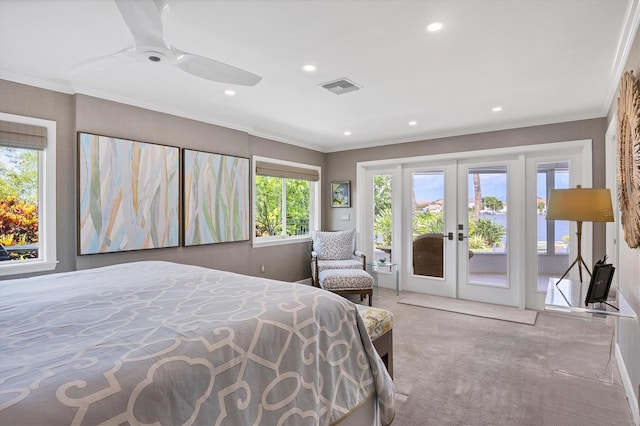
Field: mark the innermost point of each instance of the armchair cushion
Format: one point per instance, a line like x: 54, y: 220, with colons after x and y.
x: 333, y: 245
x: 323, y: 265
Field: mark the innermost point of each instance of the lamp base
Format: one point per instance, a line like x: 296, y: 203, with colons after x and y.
x: 580, y: 263
x: 579, y: 260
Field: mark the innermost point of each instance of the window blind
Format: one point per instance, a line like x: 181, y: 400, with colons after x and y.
x: 20, y: 135
x: 264, y: 168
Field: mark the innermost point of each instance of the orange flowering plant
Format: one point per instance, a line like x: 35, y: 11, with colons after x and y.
x: 18, y: 223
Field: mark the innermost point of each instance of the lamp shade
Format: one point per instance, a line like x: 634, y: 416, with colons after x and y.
x: 580, y: 204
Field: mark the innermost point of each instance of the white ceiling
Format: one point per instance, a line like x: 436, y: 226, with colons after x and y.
x: 542, y: 61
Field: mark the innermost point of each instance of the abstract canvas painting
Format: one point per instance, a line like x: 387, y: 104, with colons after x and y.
x: 128, y: 195
x: 216, y: 198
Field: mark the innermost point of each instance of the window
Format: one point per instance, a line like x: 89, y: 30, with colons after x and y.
x: 552, y: 235
x: 382, y: 216
x: 27, y: 194
x: 286, y: 201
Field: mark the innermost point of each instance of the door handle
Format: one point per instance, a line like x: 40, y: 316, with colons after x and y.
x: 461, y: 236
x: 449, y: 236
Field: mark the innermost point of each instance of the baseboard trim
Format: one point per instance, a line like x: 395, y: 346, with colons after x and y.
x: 632, y: 398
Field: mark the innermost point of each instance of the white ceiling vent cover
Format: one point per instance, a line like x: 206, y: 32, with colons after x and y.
x: 341, y: 86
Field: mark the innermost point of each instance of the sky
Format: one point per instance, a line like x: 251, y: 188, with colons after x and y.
x: 429, y: 187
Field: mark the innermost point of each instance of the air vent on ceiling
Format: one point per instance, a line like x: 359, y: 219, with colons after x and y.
x: 341, y: 86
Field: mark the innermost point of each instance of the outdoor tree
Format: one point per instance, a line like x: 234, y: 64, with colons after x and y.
x: 19, y: 174
x: 492, y: 203
x: 490, y: 231
x: 19, y: 198
x: 477, y: 196
x: 382, y: 213
x: 426, y: 222
x: 298, y: 206
x: 381, y: 193
x: 382, y: 226
x: 268, y: 206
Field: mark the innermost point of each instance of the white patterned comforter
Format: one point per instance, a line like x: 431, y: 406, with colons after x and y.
x: 161, y: 342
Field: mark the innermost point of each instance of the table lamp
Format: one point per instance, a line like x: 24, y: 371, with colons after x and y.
x: 581, y: 205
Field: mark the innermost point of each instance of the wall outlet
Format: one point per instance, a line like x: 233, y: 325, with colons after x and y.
x: 345, y: 217
x: 262, y: 269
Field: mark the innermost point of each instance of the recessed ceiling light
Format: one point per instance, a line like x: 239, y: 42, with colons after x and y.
x: 496, y: 109
x: 413, y: 123
x: 347, y: 133
x: 434, y: 26
x: 309, y: 68
x: 229, y: 92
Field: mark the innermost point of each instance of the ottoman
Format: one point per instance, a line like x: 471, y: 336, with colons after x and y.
x: 347, y: 281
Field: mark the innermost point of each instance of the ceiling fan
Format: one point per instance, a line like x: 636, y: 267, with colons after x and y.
x: 144, y: 19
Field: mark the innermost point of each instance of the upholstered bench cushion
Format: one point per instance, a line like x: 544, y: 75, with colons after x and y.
x: 378, y: 321
x: 345, y: 279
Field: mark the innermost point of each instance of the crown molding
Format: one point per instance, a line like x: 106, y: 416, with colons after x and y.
x: 627, y: 36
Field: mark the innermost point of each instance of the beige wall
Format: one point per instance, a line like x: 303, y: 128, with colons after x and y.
x: 628, y: 268
x: 88, y: 114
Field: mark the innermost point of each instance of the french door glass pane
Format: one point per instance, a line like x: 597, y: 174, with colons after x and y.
x: 553, y: 235
x: 298, y: 206
x: 382, y: 217
x: 428, y: 223
x: 488, y: 225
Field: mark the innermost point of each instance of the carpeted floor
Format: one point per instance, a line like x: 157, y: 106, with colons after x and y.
x: 454, y: 369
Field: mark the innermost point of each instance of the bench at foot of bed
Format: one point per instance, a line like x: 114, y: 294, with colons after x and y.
x: 379, y: 323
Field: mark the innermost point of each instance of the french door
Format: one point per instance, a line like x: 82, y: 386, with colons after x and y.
x: 429, y: 230
x: 457, y: 230
x: 490, y: 217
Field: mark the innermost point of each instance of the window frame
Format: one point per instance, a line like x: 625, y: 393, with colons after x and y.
x: 47, y: 260
x: 315, y: 190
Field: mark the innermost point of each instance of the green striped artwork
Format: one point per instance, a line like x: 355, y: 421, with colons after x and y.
x: 216, y: 198
x: 128, y: 195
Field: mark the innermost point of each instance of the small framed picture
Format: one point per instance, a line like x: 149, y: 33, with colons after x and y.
x: 600, y: 283
x: 341, y: 194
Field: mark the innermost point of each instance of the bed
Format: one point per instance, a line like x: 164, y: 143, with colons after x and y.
x: 167, y: 343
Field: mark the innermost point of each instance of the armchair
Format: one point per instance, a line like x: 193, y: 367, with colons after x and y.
x: 334, y: 250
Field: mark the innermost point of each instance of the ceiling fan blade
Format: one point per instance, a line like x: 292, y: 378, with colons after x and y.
x: 97, y: 64
x: 144, y: 21
x: 213, y: 70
